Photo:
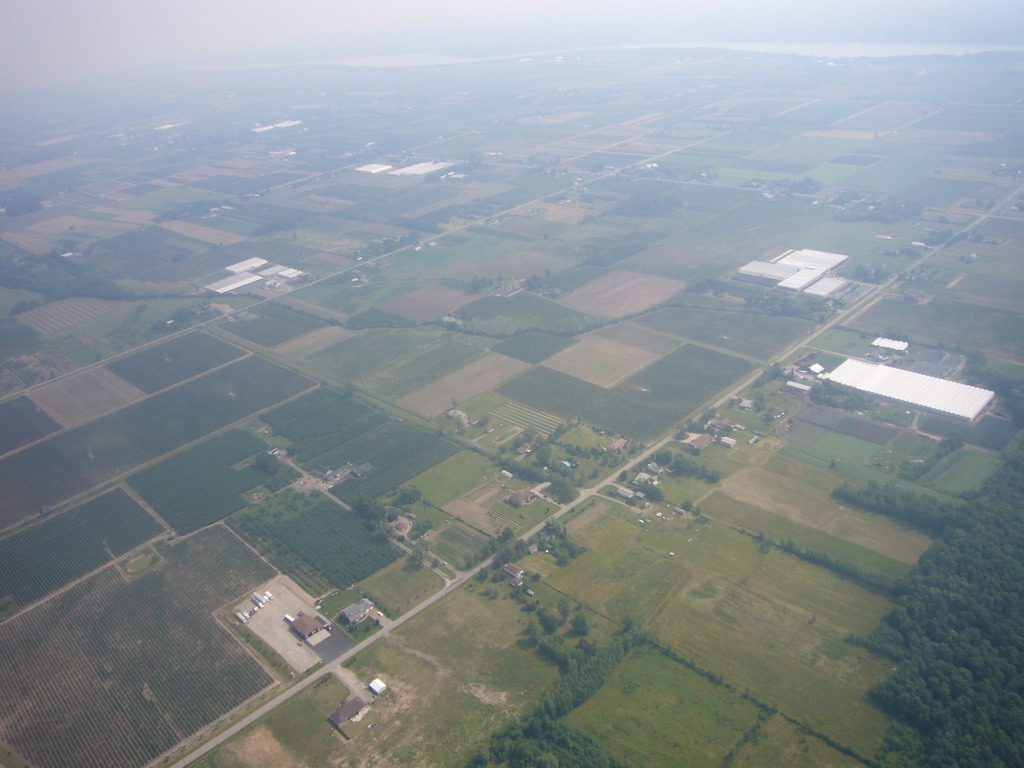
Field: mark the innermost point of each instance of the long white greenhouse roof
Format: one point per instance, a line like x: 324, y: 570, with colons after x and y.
x: 950, y: 397
x: 809, y: 259
x: 233, y: 283
x: 767, y: 270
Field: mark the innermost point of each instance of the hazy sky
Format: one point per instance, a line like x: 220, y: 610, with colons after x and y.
x: 47, y: 41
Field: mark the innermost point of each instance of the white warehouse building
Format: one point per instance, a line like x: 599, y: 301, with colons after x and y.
x: 949, y: 398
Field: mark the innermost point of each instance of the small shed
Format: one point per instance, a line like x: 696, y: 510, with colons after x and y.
x: 378, y: 686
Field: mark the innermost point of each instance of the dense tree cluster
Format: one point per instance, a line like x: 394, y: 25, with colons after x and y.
x: 958, y: 630
x: 837, y: 395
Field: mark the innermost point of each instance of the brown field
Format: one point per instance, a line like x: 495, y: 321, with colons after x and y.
x: 563, y: 214
x: 622, y: 293
x: 811, y: 505
x: 28, y: 241
x: 942, y: 138
x: 58, y: 315
x: 582, y: 521
x: 206, y: 234
x: 94, y: 227
x: 84, y: 396
x: 601, y: 361
x: 639, y: 337
x: 429, y: 303
x: 477, y: 377
x: 474, y: 508
x: 841, y: 134
x: 13, y: 178
x: 312, y: 342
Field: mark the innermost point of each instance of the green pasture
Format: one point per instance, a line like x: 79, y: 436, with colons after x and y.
x: 453, y: 477
x: 403, y: 584
x: 458, y: 544
x: 962, y: 470
x: 765, y: 621
x: 654, y: 712
x: 843, y: 341
x: 780, y: 742
x: 746, y: 333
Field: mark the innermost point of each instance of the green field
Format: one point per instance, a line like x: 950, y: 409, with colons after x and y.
x: 273, y: 324
x: 532, y: 346
x: 320, y: 421
x: 843, y: 341
x: 962, y: 470
x: 525, y: 311
x: 453, y: 477
x: 397, y: 451
x: 756, y: 335
x: 686, y: 721
x: 173, y: 361
x: 458, y: 544
x: 944, y: 323
x: 397, y: 587
x: 45, y: 557
x: 78, y: 459
x: 643, y: 405
x: 215, y: 485
x: 314, y: 540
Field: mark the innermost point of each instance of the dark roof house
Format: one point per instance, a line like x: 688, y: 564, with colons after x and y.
x: 306, y: 625
x: 348, y: 709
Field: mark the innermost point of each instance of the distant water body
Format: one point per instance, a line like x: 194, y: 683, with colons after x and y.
x: 821, y: 50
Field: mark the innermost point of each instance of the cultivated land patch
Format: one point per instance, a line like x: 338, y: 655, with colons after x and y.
x: 477, y: 508
x: 206, y: 234
x: 428, y: 303
x: 174, y: 360
x: 812, y: 505
x: 601, y: 361
x: 21, y: 422
x: 44, y: 557
x: 58, y: 315
x: 131, y: 683
x: 84, y: 396
x: 273, y: 324
x: 477, y: 377
x: 780, y: 742
x: 640, y: 337
x: 532, y: 346
x: 622, y: 293
x: 314, y: 341
x: 746, y: 333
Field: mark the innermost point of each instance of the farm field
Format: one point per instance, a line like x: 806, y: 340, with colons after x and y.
x: 214, y: 488
x: 76, y: 460
x: 479, y: 376
x: 641, y: 406
x: 498, y: 316
x: 322, y: 420
x: 532, y: 346
x: 600, y: 361
x: 458, y: 544
x: 988, y: 432
x: 84, y: 396
x: 453, y: 477
x: 802, y: 494
x: 399, y: 586
x: 175, y: 360
x: 22, y: 422
x: 756, y: 633
x: 396, y: 450
x: 271, y: 324
x: 962, y: 471
x: 686, y: 720
x: 996, y: 332
x: 314, y: 540
x: 759, y: 336
x: 45, y: 557
x: 621, y: 293
x: 429, y: 303
x: 462, y: 666
x: 131, y: 683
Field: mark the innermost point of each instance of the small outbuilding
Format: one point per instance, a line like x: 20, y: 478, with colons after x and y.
x: 378, y: 686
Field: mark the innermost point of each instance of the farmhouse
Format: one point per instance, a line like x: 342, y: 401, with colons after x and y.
x: 519, y: 498
x: 356, y: 612
x: 949, y: 398
x: 700, y: 442
x: 619, y: 444
x: 349, y: 709
x: 305, y: 625
x: 514, y: 574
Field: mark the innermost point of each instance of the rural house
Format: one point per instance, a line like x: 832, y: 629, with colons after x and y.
x: 514, y: 574
x: 305, y: 625
x: 356, y: 612
x: 349, y: 709
x: 519, y: 499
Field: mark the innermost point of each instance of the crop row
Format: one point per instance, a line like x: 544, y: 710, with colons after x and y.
x: 173, y: 361
x: 321, y: 421
x: 413, y: 373
x: 143, y: 664
x: 45, y: 557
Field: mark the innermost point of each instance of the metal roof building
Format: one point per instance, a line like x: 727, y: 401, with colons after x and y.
x: 940, y: 395
x: 884, y: 343
x: 808, y: 259
x: 232, y: 283
x: 767, y: 270
x: 800, y: 279
x: 825, y: 287
x: 245, y: 266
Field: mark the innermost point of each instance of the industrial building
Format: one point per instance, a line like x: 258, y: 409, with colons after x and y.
x: 797, y: 270
x: 949, y: 398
